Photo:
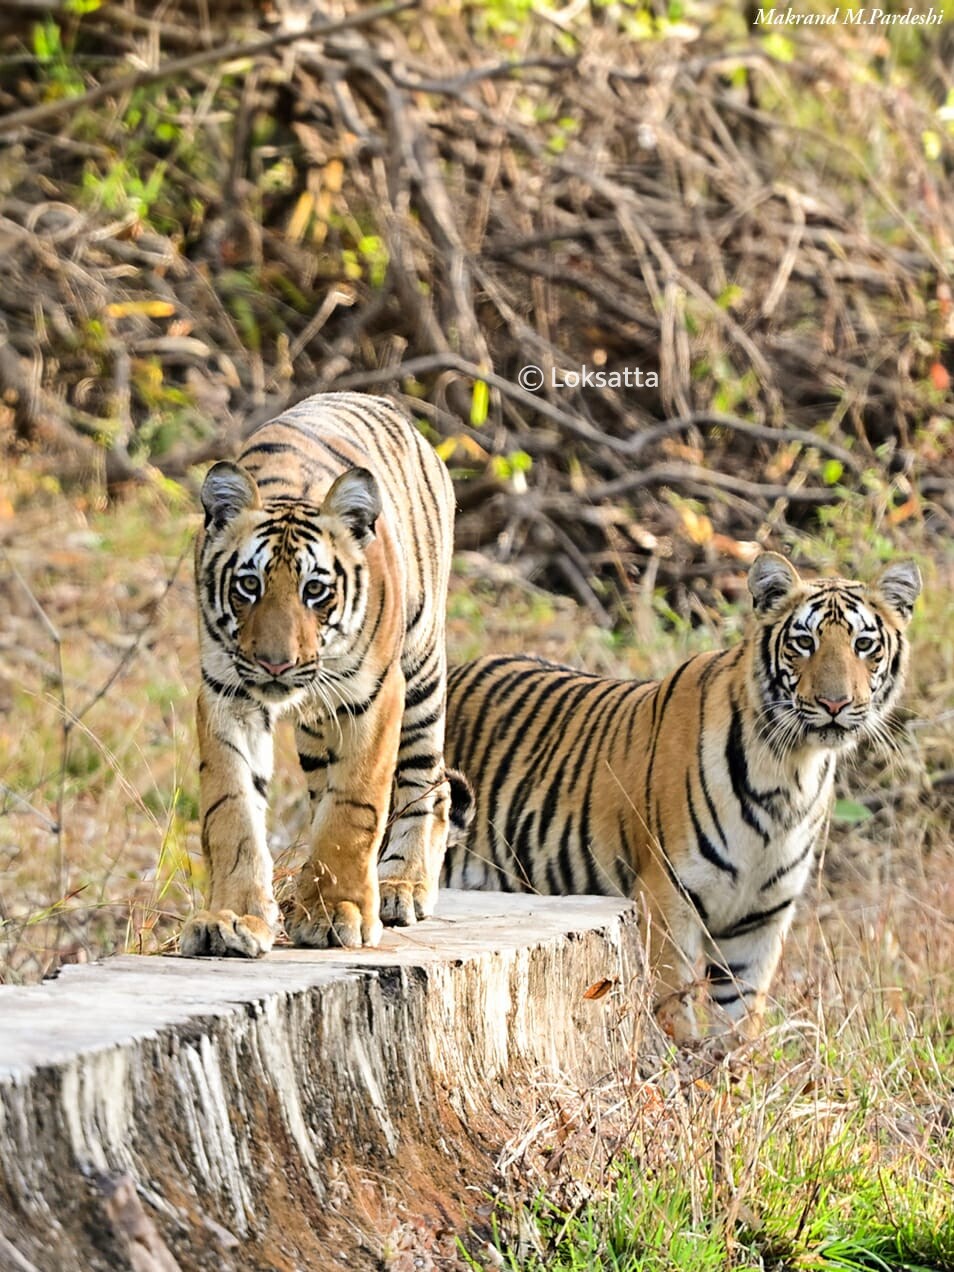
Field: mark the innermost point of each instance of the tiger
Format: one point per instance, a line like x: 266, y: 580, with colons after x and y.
x: 701, y: 795
x: 322, y: 570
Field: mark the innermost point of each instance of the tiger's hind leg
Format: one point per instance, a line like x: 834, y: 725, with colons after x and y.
x: 410, y: 866
x: 235, y: 764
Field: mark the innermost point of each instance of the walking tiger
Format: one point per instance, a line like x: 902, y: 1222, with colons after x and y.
x: 321, y: 574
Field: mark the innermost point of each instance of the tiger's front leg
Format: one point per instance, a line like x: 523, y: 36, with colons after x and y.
x: 740, y: 972
x: 235, y: 764
x: 673, y: 939
x: 337, y: 901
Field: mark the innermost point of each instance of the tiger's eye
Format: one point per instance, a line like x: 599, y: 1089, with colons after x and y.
x: 247, y: 587
x: 316, y: 591
x: 804, y: 646
x: 865, y: 645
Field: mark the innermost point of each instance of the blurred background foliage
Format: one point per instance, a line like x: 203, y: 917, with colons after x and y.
x: 208, y: 211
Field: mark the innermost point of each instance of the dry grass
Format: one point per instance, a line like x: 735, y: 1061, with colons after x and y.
x: 827, y: 1145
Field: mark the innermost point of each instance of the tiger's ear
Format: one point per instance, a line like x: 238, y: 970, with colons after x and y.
x: 900, y: 585
x: 227, y: 491
x: 355, y: 499
x: 771, y: 578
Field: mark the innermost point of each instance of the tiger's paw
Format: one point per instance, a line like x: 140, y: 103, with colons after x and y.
x: 676, y: 1018
x: 223, y: 934
x: 403, y: 903
x: 336, y: 924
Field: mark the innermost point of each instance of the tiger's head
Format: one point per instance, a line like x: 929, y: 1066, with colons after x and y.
x: 283, y: 584
x: 830, y: 654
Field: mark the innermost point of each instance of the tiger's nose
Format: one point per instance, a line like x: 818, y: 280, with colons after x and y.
x: 274, y: 668
x: 833, y: 705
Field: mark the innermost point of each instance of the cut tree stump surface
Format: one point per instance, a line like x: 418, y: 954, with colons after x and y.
x: 308, y: 1110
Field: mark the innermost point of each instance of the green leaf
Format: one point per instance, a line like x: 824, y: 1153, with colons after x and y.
x: 931, y: 141
x: 779, y: 47
x: 479, y: 403
x: 851, y: 812
x: 43, y: 41
x: 832, y: 471
x: 729, y: 296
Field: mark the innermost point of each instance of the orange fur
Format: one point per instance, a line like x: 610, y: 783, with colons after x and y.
x: 702, y: 794
x: 322, y: 576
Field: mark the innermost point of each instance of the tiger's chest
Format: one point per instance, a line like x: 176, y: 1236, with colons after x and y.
x: 749, y: 841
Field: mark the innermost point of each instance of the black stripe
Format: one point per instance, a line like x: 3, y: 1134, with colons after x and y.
x: 596, y: 882
x: 705, y: 845
x: 625, y: 861
x: 412, y: 732
x: 733, y: 995
x: 565, y: 856
x: 466, y: 741
x: 555, y: 885
x: 223, y: 799
x: 724, y: 973
x: 239, y: 852
x: 523, y: 846
x: 517, y: 724
x: 415, y: 694
x: 700, y: 757
x: 345, y: 801
x: 782, y: 871
x: 230, y: 746
x: 753, y: 920
x: 739, y: 775
x: 658, y: 715
x: 417, y: 764
x: 560, y: 719
x: 684, y: 891
x: 312, y: 763
x: 539, y: 690
x: 270, y: 448
x: 542, y: 764
x: 228, y: 691
x: 355, y: 709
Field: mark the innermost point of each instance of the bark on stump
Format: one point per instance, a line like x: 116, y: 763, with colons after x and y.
x: 291, y: 1113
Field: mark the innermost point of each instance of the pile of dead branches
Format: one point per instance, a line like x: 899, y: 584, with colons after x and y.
x: 736, y: 310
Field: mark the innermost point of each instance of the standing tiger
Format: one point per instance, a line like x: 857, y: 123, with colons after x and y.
x: 703, y: 793
x: 321, y: 573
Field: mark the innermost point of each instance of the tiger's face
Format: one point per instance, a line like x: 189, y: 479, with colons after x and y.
x: 284, y: 587
x: 831, y: 653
